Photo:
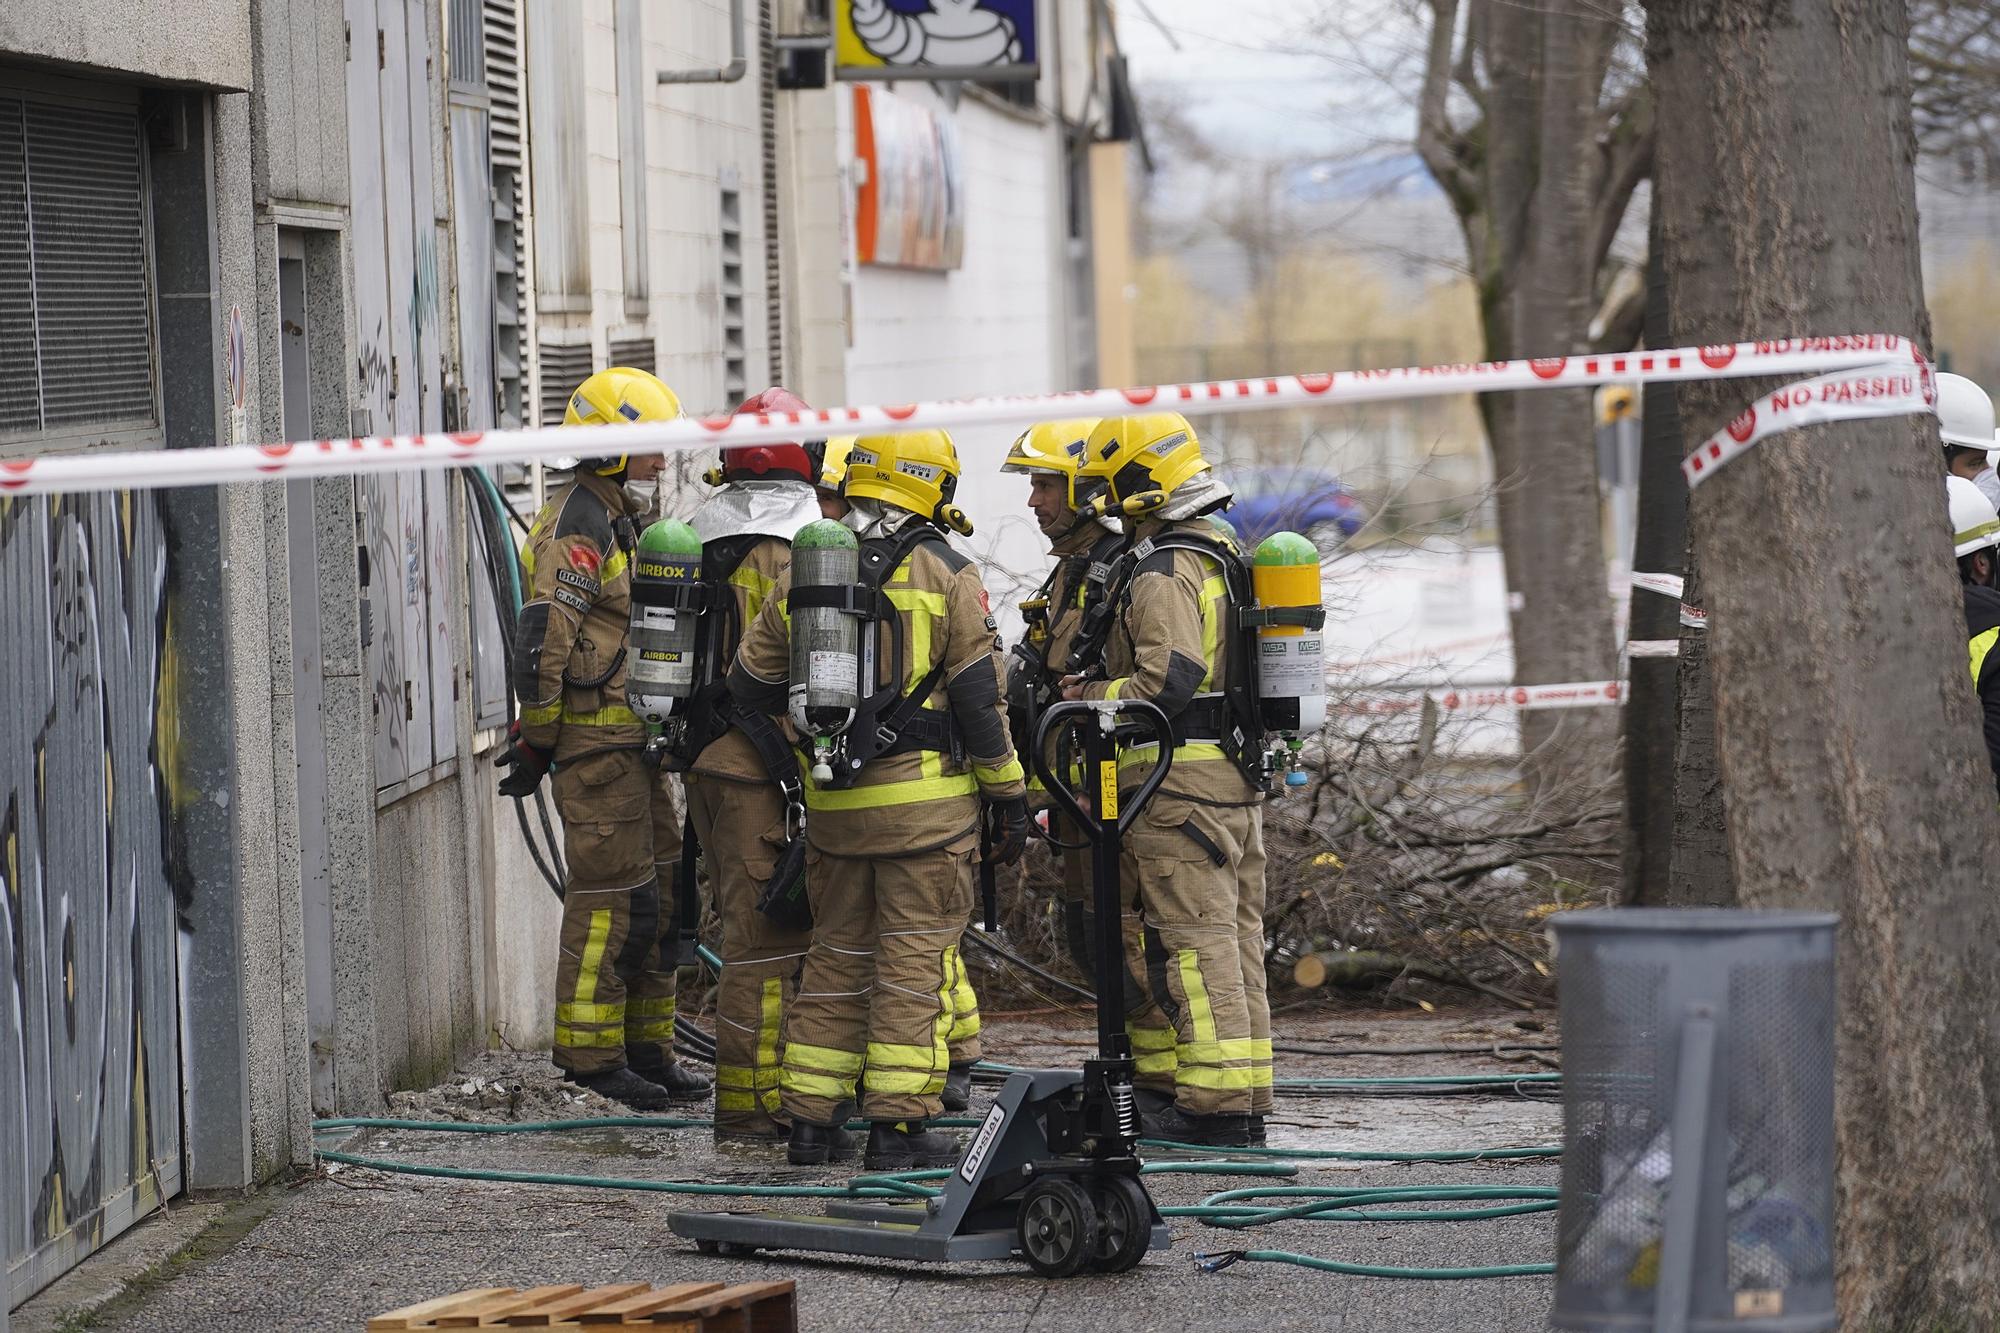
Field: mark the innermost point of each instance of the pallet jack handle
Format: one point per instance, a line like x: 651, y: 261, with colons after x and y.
x: 1104, y: 822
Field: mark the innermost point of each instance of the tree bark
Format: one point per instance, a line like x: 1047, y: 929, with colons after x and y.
x: 1700, y: 873
x: 1846, y: 731
x: 1549, y: 64
x: 1658, y: 548
x: 1539, y: 185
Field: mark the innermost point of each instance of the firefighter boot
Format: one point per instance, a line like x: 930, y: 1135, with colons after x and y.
x: 1257, y: 1132
x: 905, y: 1145
x: 957, y: 1092
x: 622, y: 1085
x: 680, y: 1083
x: 1223, y: 1130
x: 816, y: 1145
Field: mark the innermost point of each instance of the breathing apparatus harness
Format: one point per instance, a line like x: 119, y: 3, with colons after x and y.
x: 887, y: 721
x: 1081, y: 578
x: 1230, y: 717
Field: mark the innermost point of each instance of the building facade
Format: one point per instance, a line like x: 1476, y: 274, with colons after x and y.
x: 254, y: 863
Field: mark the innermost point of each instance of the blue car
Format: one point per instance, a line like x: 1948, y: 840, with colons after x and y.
x: 1313, y: 502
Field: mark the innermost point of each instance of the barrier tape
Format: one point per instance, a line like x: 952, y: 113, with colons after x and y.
x: 1583, y: 694
x: 1900, y: 384
x: 1875, y: 367
x: 1673, y: 585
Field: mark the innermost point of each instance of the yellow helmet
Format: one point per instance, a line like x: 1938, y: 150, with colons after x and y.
x: 1143, y: 456
x: 917, y: 471
x: 1055, y: 448
x: 833, y: 462
x: 614, y: 397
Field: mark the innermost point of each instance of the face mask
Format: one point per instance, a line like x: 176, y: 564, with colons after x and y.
x: 862, y: 514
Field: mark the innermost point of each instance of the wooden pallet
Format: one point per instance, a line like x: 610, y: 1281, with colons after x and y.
x: 689, y: 1307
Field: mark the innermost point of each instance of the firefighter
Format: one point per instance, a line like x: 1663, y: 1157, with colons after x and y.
x: 1086, y: 548
x: 1976, y: 541
x: 1196, y: 854
x: 614, y: 1021
x: 742, y: 779
x: 962, y: 1040
x: 891, y: 843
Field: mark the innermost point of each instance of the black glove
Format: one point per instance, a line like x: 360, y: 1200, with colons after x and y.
x: 525, y: 766
x: 1006, y: 830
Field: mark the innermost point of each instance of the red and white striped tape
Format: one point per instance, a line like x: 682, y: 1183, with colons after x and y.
x: 1899, y: 383
x: 1859, y: 362
x: 1583, y: 694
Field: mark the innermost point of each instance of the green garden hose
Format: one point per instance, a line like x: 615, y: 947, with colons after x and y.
x: 1235, y: 1210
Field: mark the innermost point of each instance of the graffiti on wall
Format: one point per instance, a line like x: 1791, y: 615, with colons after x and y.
x: 89, y: 1063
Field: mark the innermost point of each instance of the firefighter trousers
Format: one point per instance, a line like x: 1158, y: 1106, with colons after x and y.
x: 1147, y: 1025
x: 1203, y: 896
x: 741, y: 828
x: 621, y: 840
x: 874, y: 1012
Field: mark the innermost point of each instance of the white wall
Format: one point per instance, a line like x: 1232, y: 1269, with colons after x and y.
x: 989, y: 327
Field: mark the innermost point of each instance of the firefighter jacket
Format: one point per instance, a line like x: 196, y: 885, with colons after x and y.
x: 569, y: 643
x: 1080, y: 551
x: 912, y: 800
x: 1086, y: 548
x: 1170, y: 643
x: 1982, y: 627
x: 731, y: 756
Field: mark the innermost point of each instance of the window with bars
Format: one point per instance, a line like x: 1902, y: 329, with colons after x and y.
x: 76, y: 306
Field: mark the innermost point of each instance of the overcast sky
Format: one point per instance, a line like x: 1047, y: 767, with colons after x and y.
x: 1265, y: 77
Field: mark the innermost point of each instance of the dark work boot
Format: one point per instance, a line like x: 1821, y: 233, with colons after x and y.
x: 905, y: 1145
x: 1152, y: 1101
x: 957, y: 1088
x: 816, y: 1145
x: 1257, y: 1129
x: 622, y: 1085
x: 1209, y: 1131
x: 681, y: 1083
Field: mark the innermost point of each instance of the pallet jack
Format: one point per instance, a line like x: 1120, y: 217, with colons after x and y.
x: 1052, y: 1174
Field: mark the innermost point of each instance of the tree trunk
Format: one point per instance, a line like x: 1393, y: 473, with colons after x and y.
x: 1700, y: 874
x: 1846, y: 731
x: 1552, y: 544
x: 1657, y: 548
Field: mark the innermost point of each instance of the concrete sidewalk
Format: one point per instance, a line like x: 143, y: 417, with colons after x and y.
x: 341, y: 1247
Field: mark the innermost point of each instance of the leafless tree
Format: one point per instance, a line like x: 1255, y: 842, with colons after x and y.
x: 1537, y: 122
x: 1955, y: 76
x: 1846, y: 730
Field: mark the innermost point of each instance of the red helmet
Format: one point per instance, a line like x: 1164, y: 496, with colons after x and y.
x: 767, y: 462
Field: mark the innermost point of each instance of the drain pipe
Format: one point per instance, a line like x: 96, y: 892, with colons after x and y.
x: 730, y: 73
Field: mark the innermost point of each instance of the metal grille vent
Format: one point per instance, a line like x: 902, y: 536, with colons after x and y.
x: 502, y: 68
x: 20, y: 397
x: 734, y: 376
x: 76, y: 320
x: 638, y: 353
x: 564, y: 366
x: 468, y: 42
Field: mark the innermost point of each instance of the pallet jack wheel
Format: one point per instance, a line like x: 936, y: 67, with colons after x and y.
x: 1127, y: 1230
x: 1059, y: 1228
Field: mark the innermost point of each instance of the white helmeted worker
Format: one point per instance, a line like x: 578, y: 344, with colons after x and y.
x: 1975, y: 527
x: 1965, y: 424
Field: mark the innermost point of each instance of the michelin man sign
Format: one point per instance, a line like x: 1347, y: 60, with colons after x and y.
x: 935, y: 39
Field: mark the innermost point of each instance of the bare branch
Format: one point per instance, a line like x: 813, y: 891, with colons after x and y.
x: 1628, y: 162
x: 1624, y: 323
x: 1445, y: 150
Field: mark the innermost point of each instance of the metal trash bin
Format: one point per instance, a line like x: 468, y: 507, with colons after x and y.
x: 1697, y: 1177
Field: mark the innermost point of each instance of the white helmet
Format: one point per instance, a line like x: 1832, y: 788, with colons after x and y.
x: 1975, y: 524
x: 1965, y: 413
